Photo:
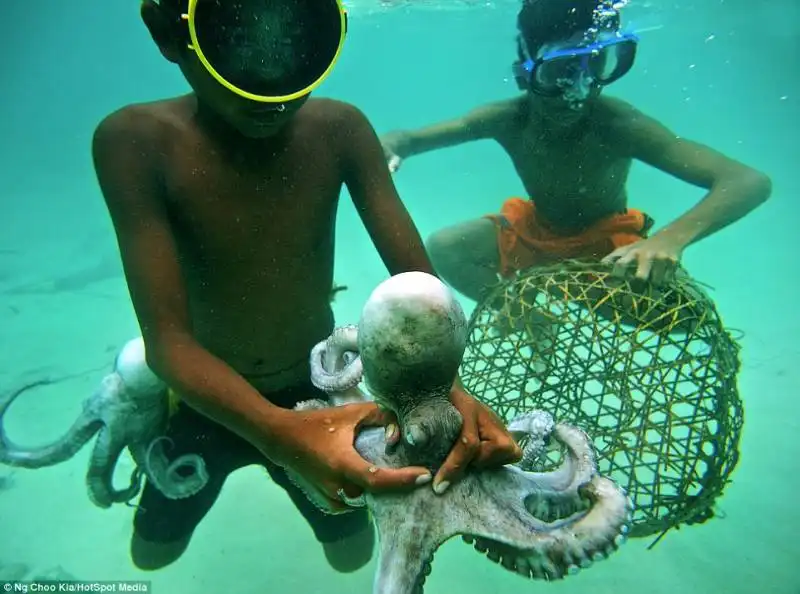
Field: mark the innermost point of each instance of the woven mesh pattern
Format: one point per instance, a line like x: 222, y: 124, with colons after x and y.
x: 649, y: 375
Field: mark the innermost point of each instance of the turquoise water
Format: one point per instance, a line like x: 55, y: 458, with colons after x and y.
x: 719, y: 72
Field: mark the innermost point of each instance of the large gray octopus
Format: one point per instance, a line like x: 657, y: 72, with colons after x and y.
x: 129, y: 409
x: 407, y: 349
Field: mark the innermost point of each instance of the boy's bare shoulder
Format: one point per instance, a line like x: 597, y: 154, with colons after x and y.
x: 617, y: 115
x: 337, y: 123
x: 505, y: 108
x: 129, y: 147
x: 143, y: 121
x: 332, y: 112
x: 629, y: 130
x: 497, y: 116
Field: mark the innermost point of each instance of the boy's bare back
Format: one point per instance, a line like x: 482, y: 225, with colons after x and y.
x: 253, y: 229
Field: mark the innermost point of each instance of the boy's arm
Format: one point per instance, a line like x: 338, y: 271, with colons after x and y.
x: 484, y: 122
x: 129, y: 171
x: 734, y: 189
x: 375, y: 197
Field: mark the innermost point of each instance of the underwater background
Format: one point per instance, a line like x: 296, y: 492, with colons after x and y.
x: 722, y: 72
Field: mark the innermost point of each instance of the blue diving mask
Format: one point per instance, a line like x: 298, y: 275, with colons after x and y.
x: 600, y: 62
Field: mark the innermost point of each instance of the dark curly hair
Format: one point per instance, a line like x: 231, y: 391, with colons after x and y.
x: 540, y: 22
x: 176, y: 6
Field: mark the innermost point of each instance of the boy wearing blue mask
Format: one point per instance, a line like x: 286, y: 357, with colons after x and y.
x: 573, y: 149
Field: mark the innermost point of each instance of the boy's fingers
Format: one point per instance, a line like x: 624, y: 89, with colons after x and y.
x: 645, y: 266
x: 670, y: 272
x: 372, y: 478
x: 492, y: 456
x: 460, y: 457
x: 658, y: 272
x: 663, y: 271
x: 623, y: 265
x: 617, y: 253
x: 376, y: 479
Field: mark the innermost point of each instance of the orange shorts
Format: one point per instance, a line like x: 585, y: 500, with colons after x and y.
x: 525, y: 240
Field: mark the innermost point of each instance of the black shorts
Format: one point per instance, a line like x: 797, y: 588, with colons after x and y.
x: 162, y: 520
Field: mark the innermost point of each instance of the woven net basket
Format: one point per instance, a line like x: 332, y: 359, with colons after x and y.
x: 650, y: 375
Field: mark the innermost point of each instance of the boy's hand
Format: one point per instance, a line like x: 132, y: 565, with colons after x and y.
x: 390, y: 144
x: 484, y: 441
x: 318, y: 445
x: 655, y: 259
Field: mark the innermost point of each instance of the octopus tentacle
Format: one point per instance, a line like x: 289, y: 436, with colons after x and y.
x: 575, y: 516
x: 518, y: 518
x: 166, y: 475
x: 578, y: 467
x: 100, y: 476
x: 335, y: 364
x: 531, y: 430
x: 405, y: 557
x: 568, y: 546
x: 85, y: 426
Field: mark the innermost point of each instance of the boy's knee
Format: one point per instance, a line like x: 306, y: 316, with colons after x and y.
x: 439, y: 243
x: 351, y: 553
x: 467, y: 244
x: 150, y: 556
x: 443, y: 248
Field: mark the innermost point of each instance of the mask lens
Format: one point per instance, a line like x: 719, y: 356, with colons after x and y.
x: 268, y: 48
x: 549, y: 74
x: 604, y: 64
x: 613, y: 62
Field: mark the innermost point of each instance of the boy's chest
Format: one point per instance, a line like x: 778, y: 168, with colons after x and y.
x: 224, y: 206
x: 584, y: 164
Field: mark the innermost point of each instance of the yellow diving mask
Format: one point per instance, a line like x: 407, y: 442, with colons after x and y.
x: 272, y: 51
